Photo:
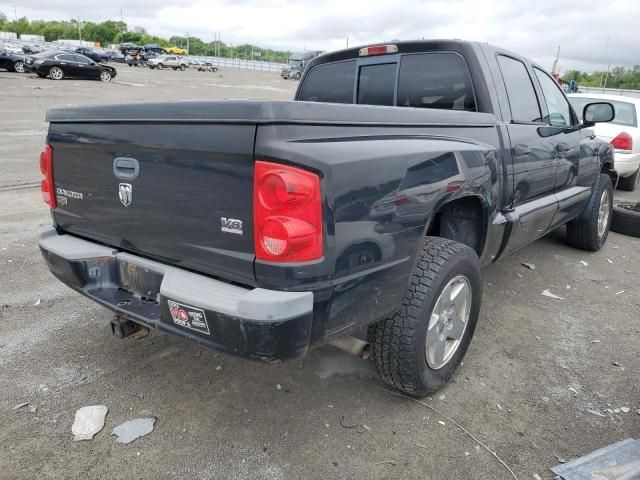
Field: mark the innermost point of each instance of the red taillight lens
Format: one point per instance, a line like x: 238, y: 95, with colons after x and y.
x: 287, y: 213
x: 46, y: 186
x: 622, y: 142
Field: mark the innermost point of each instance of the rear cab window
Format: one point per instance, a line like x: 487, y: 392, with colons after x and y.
x: 422, y: 80
x: 523, y: 100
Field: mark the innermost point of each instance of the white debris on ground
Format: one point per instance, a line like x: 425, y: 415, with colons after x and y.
x: 547, y: 293
x: 89, y: 421
x: 129, y: 431
x: 582, y: 262
x: 530, y: 266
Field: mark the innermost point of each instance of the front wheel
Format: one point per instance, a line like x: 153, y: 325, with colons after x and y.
x: 182, y: 68
x: 298, y: 76
x: 590, y: 230
x: 160, y: 66
x: 418, y: 349
x: 105, y: 76
x: 56, y: 73
x: 18, y: 66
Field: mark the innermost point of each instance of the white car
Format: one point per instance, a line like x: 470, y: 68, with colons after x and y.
x: 623, y: 133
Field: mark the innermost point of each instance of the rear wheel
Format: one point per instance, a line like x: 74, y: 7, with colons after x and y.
x: 590, y: 230
x: 182, y: 67
x: 160, y: 66
x: 18, y: 66
x: 418, y: 349
x: 105, y: 76
x: 103, y: 60
x: 628, y: 184
x: 56, y: 73
x: 298, y: 75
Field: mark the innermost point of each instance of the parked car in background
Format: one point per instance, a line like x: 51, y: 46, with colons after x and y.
x: 60, y: 64
x: 247, y: 226
x: 168, y: 61
x: 623, y: 133
x: 176, y: 51
x: 202, y: 65
x: 95, y: 54
x: 12, y: 61
x: 116, y: 56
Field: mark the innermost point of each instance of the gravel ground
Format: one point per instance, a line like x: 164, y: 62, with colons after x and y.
x: 534, y: 371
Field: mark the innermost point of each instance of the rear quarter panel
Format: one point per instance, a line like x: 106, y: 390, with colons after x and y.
x: 381, y: 187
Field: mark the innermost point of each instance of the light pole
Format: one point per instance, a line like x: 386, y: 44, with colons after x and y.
x: 187, y: 43
x: 80, y: 30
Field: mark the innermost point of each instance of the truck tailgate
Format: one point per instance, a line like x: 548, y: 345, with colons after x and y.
x: 178, y: 192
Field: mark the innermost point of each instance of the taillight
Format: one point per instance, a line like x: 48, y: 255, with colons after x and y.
x: 287, y: 213
x: 46, y: 186
x: 377, y: 50
x: 622, y: 142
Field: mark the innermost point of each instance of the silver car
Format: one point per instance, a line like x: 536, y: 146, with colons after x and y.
x: 168, y: 61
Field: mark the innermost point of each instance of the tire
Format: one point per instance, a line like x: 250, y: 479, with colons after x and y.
x: 105, y: 76
x: 629, y: 184
x: 56, y: 73
x: 103, y: 61
x: 182, y: 68
x: 160, y: 66
x: 399, y: 343
x: 214, y: 69
x: 18, y: 67
x: 590, y: 230
x: 626, y: 219
x: 298, y: 76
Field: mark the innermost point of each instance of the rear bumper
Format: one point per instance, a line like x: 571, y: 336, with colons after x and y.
x: 255, y: 323
x: 626, y: 164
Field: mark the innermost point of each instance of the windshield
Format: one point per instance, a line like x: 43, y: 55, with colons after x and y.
x: 295, y: 63
x: 625, y: 111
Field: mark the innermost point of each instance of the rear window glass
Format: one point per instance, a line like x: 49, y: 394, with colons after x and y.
x: 625, y: 111
x: 435, y: 80
x: 331, y: 82
x: 522, y: 96
x: 376, y: 84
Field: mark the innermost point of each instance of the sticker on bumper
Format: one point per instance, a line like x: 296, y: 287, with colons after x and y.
x: 188, y: 317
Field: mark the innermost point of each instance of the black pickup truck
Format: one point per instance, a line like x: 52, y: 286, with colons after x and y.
x: 365, y: 207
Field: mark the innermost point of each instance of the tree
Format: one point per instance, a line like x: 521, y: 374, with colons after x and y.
x: 140, y: 30
x: 3, y: 18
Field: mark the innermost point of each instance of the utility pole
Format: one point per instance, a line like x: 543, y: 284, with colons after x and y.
x: 187, y: 43
x: 80, y: 31
x: 347, y: 42
x: 15, y: 12
x: 121, y: 25
x: 606, y: 50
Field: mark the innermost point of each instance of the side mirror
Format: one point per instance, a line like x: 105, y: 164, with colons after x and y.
x: 598, y: 112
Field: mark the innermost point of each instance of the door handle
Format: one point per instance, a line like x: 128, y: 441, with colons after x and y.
x: 520, y: 150
x: 126, y: 168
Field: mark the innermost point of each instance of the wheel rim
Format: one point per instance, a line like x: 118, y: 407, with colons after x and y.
x: 448, y: 322
x: 105, y: 76
x: 19, y: 66
x: 56, y: 73
x: 603, y: 213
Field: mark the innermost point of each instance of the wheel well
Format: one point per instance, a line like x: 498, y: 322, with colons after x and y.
x: 608, y: 169
x: 462, y: 220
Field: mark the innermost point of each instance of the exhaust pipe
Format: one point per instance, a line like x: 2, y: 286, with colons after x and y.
x: 352, y: 345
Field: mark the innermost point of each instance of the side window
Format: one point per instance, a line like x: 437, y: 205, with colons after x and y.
x: 65, y: 58
x: 80, y: 59
x: 522, y: 96
x: 435, y: 80
x: 376, y: 84
x: 331, y: 82
x: 557, y: 105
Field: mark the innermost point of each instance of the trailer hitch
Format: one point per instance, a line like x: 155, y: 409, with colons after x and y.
x: 122, y: 327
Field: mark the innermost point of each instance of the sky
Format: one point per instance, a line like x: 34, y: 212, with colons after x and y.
x: 532, y: 28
